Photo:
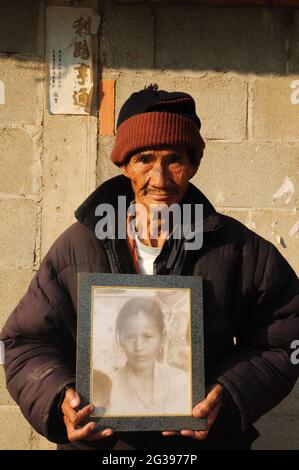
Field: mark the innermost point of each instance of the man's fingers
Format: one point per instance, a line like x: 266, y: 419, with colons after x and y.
x: 205, y: 407
x: 77, y: 434
x: 99, y: 435
x: 80, y: 415
x: 68, y: 411
x: 187, y: 433
x: 74, y: 416
x: 70, y: 402
x: 195, y: 434
x: 208, y: 408
x: 72, y: 397
x: 86, y: 432
x: 211, y: 418
x: 202, y: 409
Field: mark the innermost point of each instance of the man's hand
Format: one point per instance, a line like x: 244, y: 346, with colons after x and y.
x: 208, y: 408
x: 72, y: 418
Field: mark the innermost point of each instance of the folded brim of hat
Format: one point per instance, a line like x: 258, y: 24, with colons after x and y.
x: 155, y: 130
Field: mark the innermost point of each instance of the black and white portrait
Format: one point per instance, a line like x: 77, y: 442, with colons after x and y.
x: 141, y: 359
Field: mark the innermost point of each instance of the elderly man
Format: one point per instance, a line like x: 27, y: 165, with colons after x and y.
x: 251, y: 294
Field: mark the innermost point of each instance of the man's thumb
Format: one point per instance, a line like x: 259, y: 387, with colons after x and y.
x: 202, y: 409
x: 73, y: 398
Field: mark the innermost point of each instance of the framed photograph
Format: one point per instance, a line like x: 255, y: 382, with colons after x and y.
x: 140, y: 350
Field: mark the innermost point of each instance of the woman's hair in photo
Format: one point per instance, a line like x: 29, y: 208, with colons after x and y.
x: 149, y: 307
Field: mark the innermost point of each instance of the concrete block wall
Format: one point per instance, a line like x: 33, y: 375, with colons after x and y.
x: 239, y: 64
x: 21, y: 147
x: 47, y: 167
x: 70, y: 155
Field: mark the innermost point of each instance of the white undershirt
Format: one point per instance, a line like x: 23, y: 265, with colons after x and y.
x: 146, y: 256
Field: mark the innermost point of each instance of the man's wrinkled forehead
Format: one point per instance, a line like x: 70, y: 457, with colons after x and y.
x: 167, y: 150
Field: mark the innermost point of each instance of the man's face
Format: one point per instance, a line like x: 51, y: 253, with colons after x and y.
x: 159, y: 176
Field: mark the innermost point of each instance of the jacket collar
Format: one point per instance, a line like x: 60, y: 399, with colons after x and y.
x: 109, y: 191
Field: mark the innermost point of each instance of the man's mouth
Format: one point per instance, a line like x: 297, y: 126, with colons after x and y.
x: 161, y: 195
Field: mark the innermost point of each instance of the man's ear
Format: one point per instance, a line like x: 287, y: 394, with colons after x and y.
x: 197, y: 164
x: 123, y: 169
x: 194, y: 169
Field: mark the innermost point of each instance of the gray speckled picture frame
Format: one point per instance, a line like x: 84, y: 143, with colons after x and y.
x: 86, y: 283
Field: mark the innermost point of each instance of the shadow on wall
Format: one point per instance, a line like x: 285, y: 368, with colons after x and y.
x: 156, y: 35
x: 28, y: 22
x: 245, y: 39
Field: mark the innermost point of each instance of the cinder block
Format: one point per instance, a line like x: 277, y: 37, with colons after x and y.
x: 73, y: 3
x: 235, y: 2
x: 13, y: 285
x: 250, y: 175
x: 221, y: 101
x: 282, y: 229
x: 20, y: 170
x: 294, y: 42
x: 274, y: 116
x: 289, y: 406
x: 221, y: 105
x: 283, y: 3
x: 21, y: 27
x: 15, y: 431
x: 240, y: 215
x: 41, y: 443
x: 202, y: 38
x: 277, y: 433
x: 23, y: 81
x: 128, y: 37
x: 105, y: 168
x: 69, y: 169
x: 17, y: 233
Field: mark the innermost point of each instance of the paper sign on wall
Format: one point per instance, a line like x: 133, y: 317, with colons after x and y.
x: 70, y: 58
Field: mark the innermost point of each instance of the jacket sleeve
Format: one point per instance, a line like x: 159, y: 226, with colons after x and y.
x: 39, y: 356
x: 259, y: 373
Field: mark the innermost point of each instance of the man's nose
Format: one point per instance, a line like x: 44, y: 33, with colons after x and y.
x: 159, y: 175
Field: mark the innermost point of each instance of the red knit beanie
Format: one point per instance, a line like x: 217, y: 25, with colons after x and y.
x: 153, y: 119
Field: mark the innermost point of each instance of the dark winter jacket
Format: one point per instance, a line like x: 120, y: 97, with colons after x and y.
x: 250, y: 293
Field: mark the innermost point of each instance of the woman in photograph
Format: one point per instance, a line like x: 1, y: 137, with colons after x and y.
x: 145, y: 385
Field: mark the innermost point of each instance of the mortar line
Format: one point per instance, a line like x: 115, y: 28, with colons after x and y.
x: 39, y: 215
x: 247, y: 111
x: 154, y: 19
x: 288, y: 40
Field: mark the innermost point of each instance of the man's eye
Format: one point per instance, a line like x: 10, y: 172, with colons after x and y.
x: 174, y: 159
x: 143, y: 159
